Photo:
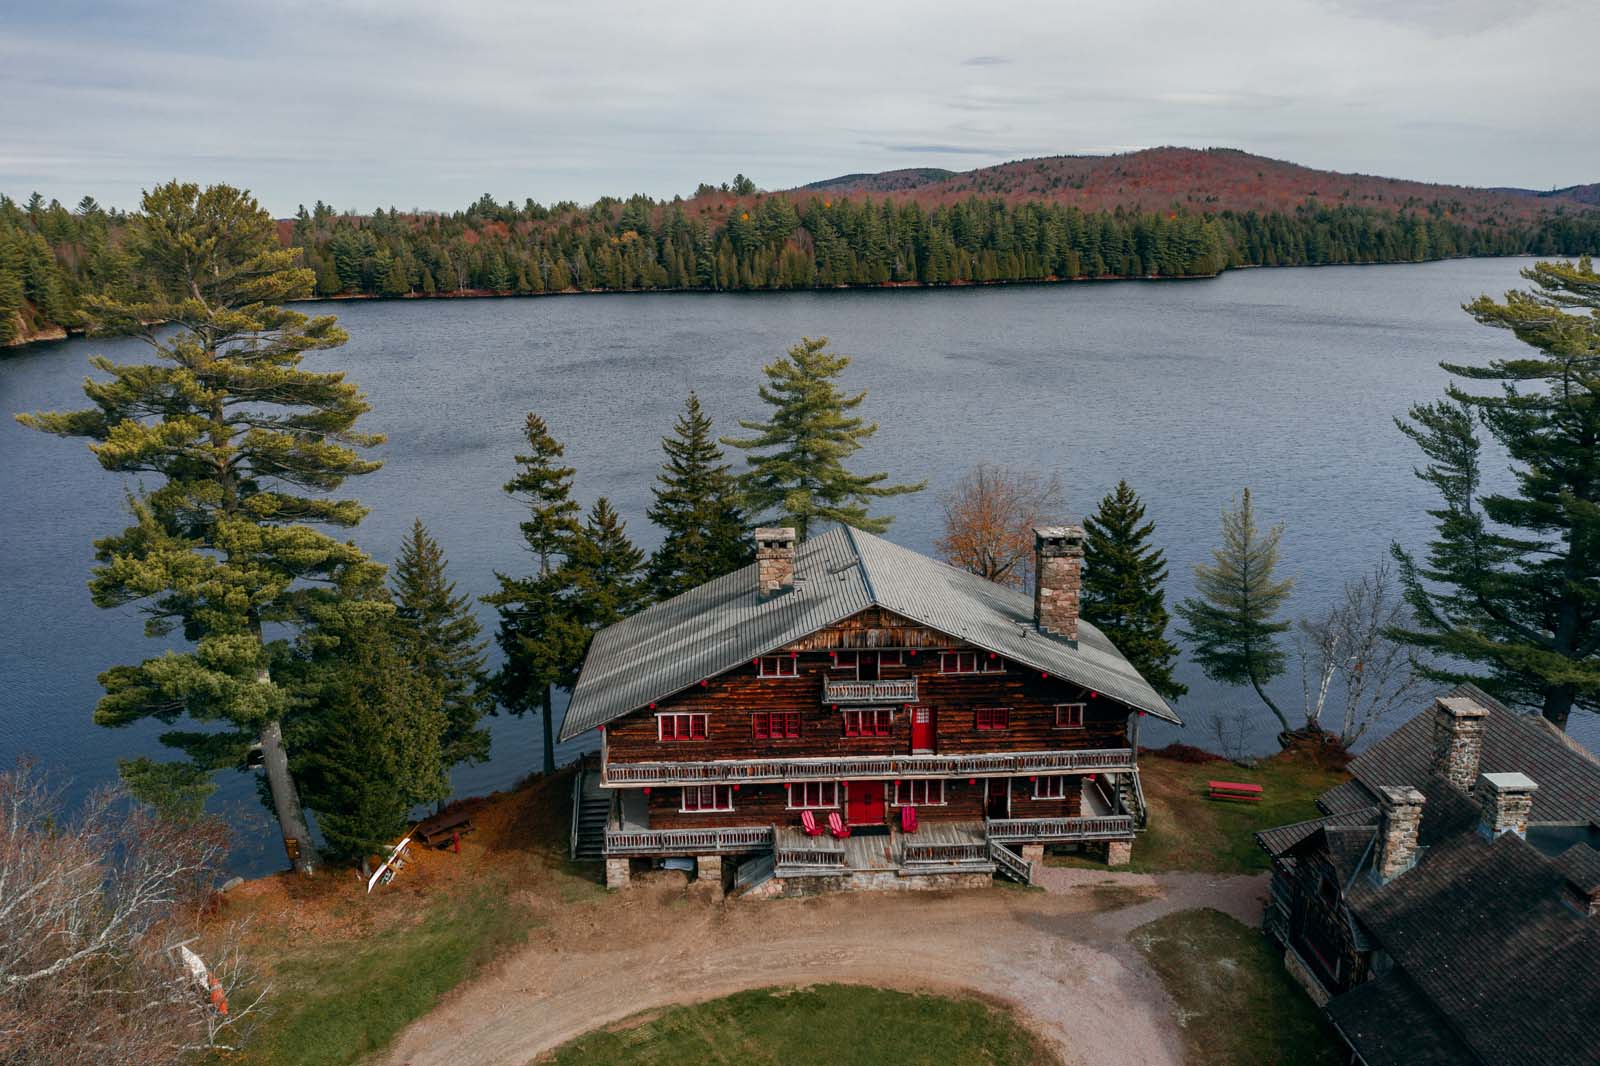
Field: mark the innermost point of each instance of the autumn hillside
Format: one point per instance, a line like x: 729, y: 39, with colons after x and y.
x: 1213, y: 179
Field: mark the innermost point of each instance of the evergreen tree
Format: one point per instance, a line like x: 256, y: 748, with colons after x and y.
x: 605, y: 573
x: 539, y: 634
x: 1232, y: 625
x: 439, y: 635
x: 1511, y: 582
x: 1124, y: 590
x: 797, y: 473
x: 239, y: 450
x: 696, y: 507
x: 369, y: 743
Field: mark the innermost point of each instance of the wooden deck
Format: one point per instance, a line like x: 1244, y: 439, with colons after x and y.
x: 937, y: 847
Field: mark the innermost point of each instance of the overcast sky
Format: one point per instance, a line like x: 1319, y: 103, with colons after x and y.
x: 397, y: 102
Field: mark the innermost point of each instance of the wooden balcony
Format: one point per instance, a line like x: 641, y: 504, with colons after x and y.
x: 707, y: 841
x: 886, y: 692
x: 863, y: 767
x: 1059, y: 830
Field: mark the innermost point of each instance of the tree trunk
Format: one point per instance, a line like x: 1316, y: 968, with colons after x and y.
x: 549, y: 731
x: 286, y: 801
x: 1273, y: 707
x: 1557, y: 707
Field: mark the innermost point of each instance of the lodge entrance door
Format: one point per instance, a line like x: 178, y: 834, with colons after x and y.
x: 922, y: 731
x: 865, y: 802
x: 997, y: 797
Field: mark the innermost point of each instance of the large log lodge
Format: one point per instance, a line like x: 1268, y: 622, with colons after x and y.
x: 849, y: 713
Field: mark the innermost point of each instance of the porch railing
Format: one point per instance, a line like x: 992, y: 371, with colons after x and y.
x: 1014, y: 830
x: 866, y: 766
x: 920, y: 854
x: 688, y: 841
x: 898, y: 691
x: 1010, y: 863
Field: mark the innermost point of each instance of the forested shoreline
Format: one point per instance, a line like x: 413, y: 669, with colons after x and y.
x: 52, y: 257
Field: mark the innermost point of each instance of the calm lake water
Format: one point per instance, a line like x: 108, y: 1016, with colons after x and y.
x: 1283, y: 380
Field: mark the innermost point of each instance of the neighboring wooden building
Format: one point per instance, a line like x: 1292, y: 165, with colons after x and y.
x: 1444, y: 910
x: 847, y: 676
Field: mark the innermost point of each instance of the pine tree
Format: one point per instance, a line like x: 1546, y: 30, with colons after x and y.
x: 1232, y: 625
x: 223, y: 547
x: 696, y: 507
x: 369, y: 744
x: 1512, y: 582
x: 439, y: 635
x: 539, y: 634
x: 605, y: 575
x: 1124, y: 588
x: 797, y: 473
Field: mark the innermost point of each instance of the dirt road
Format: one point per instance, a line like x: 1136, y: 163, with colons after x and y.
x: 1058, y: 957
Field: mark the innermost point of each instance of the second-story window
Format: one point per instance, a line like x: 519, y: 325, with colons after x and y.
x: 680, y: 727
x: 993, y: 718
x: 774, y: 725
x: 847, y: 664
x: 707, y: 798
x: 1069, y: 716
x: 813, y: 795
x: 778, y: 666
x: 868, y: 722
x: 891, y: 658
x: 1049, y: 788
x: 919, y: 793
x: 970, y: 662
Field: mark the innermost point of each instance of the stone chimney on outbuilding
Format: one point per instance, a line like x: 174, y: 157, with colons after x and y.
x: 1506, y: 801
x: 774, y: 560
x: 1058, y: 579
x: 1458, y: 739
x: 1398, y: 830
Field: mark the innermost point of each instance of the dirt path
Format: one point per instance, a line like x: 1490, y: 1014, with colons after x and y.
x: 1060, y: 958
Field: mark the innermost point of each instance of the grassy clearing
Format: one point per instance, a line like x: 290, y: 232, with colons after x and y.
x: 336, y: 1003
x: 1236, y: 1004
x: 843, y: 1025
x: 1190, y: 832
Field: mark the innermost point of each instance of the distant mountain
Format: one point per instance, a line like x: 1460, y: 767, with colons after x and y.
x: 1210, y: 180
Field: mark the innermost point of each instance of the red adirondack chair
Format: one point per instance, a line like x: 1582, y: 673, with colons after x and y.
x: 808, y: 822
x: 908, y: 819
x: 836, y: 826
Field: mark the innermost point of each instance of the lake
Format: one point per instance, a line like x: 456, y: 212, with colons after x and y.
x: 1287, y: 381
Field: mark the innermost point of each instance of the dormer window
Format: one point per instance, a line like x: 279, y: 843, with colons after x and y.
x: 778, y: 666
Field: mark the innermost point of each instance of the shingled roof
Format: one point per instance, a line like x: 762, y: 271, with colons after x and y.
x: 1568, y: 775
x: 724, y: 624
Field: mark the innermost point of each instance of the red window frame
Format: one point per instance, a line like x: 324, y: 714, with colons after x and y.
x: 774, y: 725
x: 812, y: 795
x: 778, y: 666
x: 699, y: 799
x: 919, y: 793
x: 992, y: 718
x: 1050, y: 788
x: 677, y: 726
x: 992, y: 665
x: 1069, y: 715
x: 951, y: 662
x: 891, y: 658
x: 868, y: 721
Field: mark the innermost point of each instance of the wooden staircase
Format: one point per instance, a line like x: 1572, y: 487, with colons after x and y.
x: 591, y: 809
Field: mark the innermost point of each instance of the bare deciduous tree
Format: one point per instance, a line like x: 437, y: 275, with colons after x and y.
x: 989, y: 517
x: 1349, y: 662
x: 93, y: 910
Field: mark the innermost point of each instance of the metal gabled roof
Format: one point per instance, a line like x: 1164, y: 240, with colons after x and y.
x: 723, y: 624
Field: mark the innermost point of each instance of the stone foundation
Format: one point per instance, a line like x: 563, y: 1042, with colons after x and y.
x: 1033, y: 853
x: 618, y: 873
x: 1119, y: 852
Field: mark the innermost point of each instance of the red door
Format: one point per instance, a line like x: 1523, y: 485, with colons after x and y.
x: 864, y: 803
x: 922, y: 729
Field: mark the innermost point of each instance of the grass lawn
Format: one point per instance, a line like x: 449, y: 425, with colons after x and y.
x: 335, y: 1003
x: 843, y: 1025
x: 1190, y: 832
x: 1236, y: 1004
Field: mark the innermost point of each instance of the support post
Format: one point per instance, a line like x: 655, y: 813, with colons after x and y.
x: 1119, y: 852
x: 708, y: 868
x: 617, y: 873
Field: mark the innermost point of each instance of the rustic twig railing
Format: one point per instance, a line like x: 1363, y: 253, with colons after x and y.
x: 898, y: 691
x: 1012, y: 830
x: 867, y: 766
x: 687, y: 841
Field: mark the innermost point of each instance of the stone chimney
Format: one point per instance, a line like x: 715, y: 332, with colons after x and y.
x: 1397, y: 831
x: 1057, y: 579
x: 1506, y: 800
x: 774, y: 560
x: 1458, y: 739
